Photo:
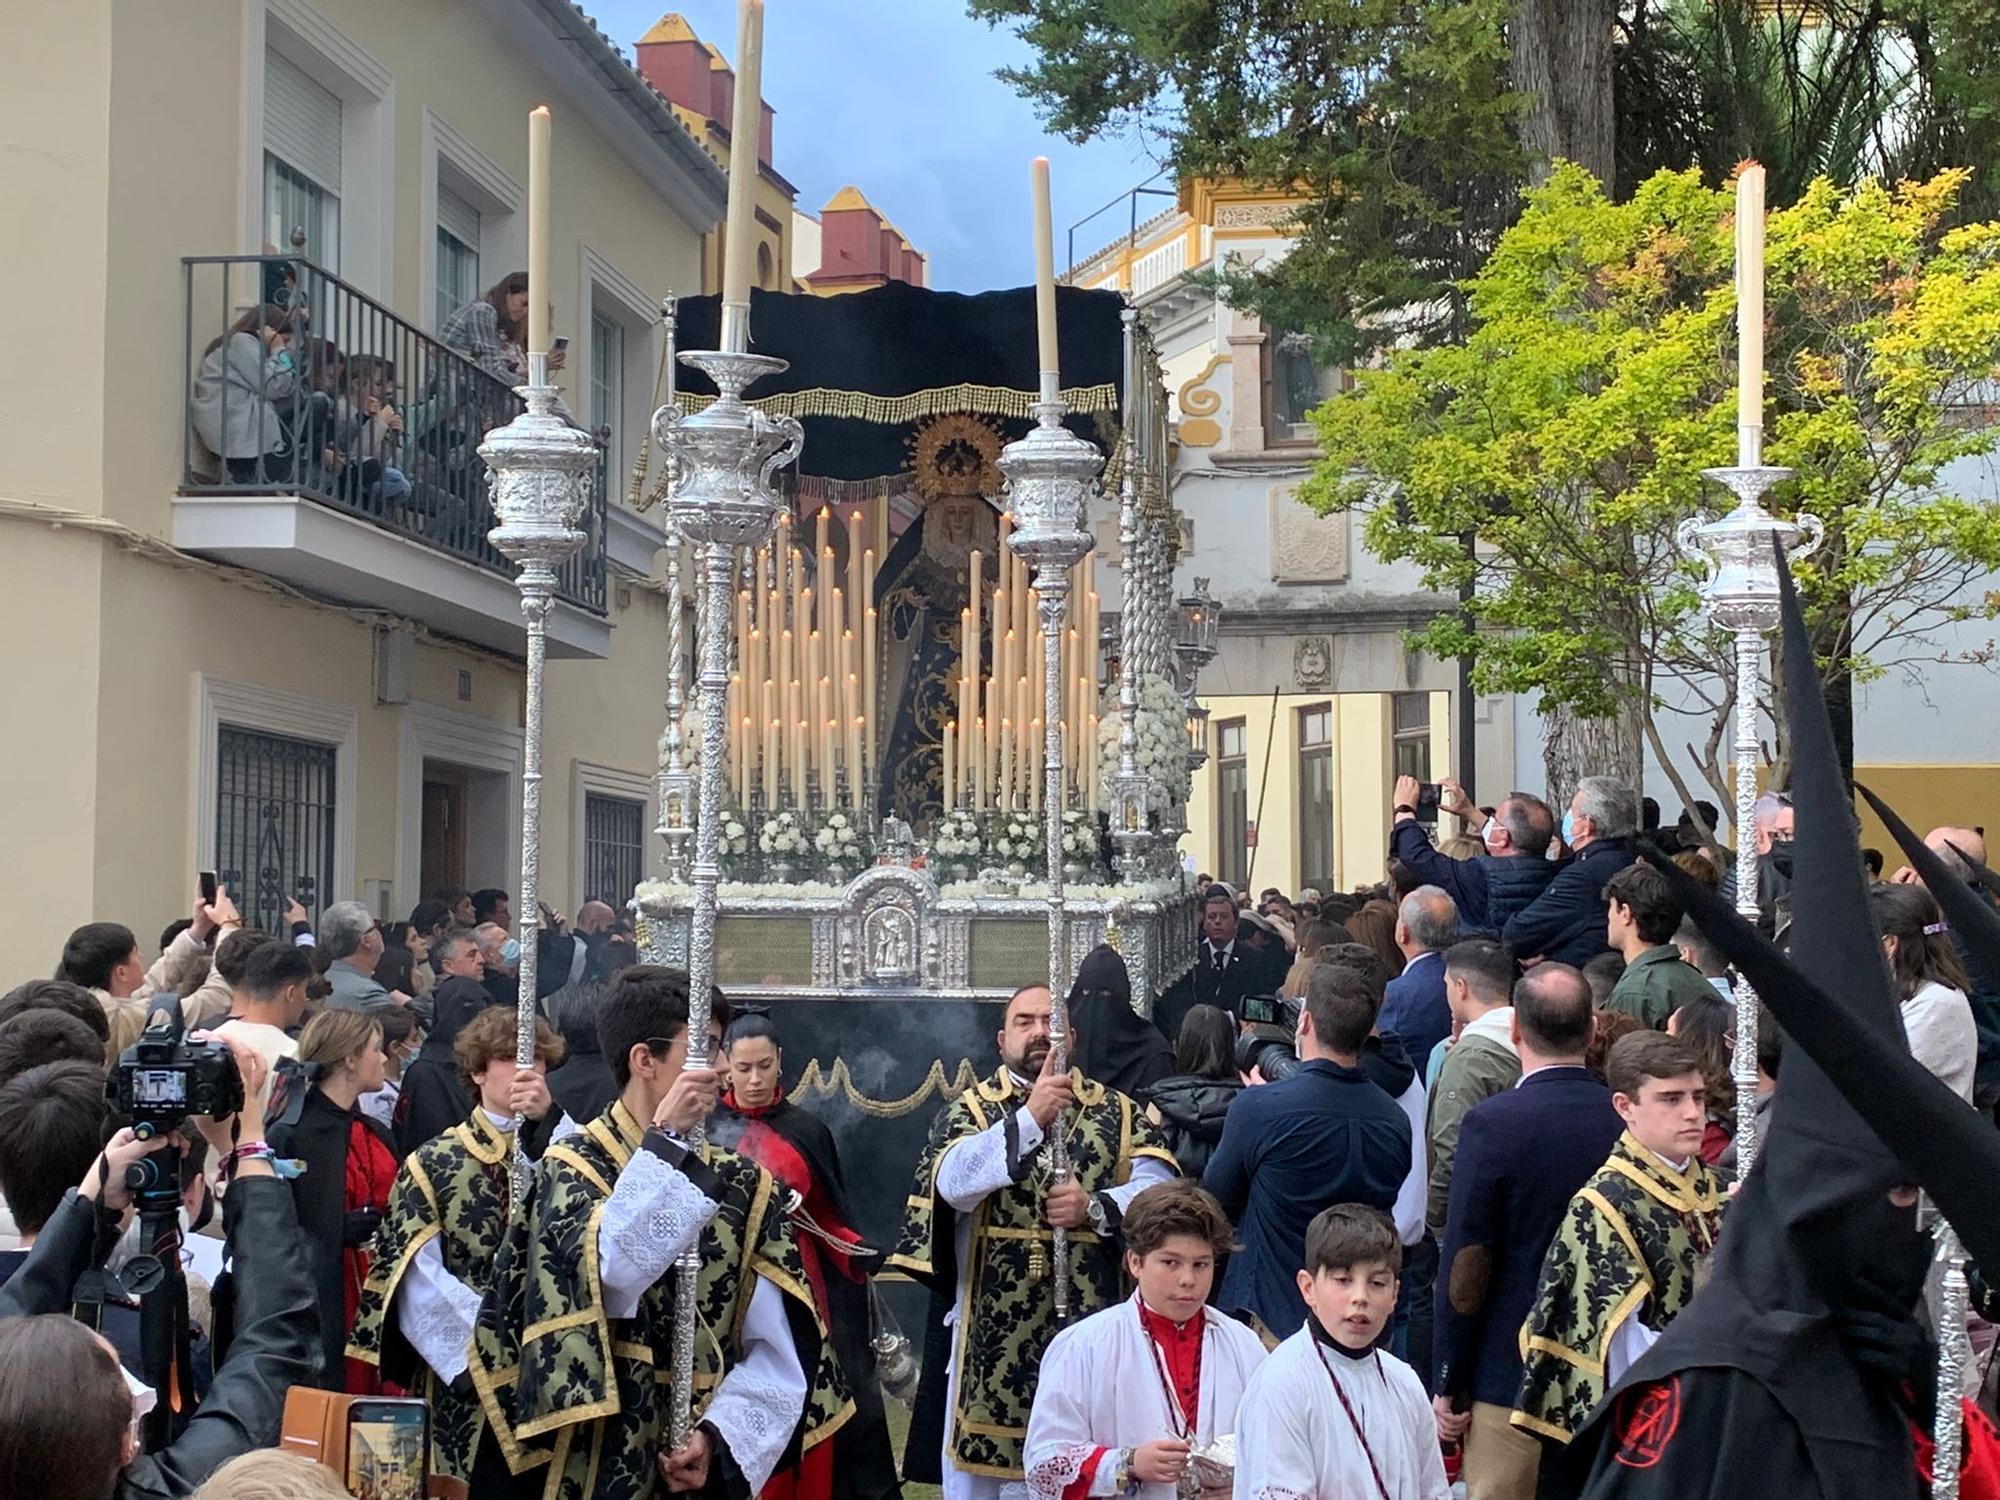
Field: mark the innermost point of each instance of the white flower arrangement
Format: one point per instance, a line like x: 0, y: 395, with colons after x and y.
x: 838, y: 842
x: 1018, y: 838
x: 783, y: 836
x: 1079, y: 835
x: 1161, y: 727
x: 956, y: 837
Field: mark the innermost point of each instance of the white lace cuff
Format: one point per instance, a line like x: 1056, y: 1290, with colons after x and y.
x: 758, y: 1405
x: 979, y: 1164
x: 436, y: 1312
x: 1049, y: 1476
x: 654, y: 1212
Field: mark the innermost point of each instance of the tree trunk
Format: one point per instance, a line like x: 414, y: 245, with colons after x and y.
x: 1561, y: 56
x: 1573, y: 748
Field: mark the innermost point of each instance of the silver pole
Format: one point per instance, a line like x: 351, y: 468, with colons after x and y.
x: 1743, y: 1058
x: 541, y: 468
x: 724, y: 457
x: 1954, y: 1355
x: 1051, y: 479
x: 1129, y: 791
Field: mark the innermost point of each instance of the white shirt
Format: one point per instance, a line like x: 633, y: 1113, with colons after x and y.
x: 1103, y: 1385
x: 1295, y: 1439
x: 1938, y: 1021
x: 268, y: 1042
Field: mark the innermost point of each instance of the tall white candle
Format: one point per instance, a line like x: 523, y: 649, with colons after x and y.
x: 1750, y: 315
x: 540, y: 130
x: 1045, y: 264
x: 746, y: 129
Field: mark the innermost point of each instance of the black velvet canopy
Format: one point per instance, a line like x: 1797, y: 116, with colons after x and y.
x: 867, y: 367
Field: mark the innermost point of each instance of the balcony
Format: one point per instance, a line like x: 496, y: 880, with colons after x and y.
x: 334, y: 446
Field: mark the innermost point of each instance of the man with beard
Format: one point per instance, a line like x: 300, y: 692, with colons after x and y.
x: 981, y: 1222
x: 1800, y: 1369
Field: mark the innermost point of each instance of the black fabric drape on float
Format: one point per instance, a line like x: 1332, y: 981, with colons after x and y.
x: 866, y: 368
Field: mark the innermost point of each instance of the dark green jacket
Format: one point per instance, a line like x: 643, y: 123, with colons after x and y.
x: 1656, y: 984
x: 1480, y: 1064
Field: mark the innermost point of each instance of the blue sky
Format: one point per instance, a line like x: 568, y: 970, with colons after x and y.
x: 898, y: 97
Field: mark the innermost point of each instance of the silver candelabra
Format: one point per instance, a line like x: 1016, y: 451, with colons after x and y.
x: 675, y: 781
x: 1051, y: 479
x: 541, y: 466
x: 723, y: 459
x: 1740, y: 552
x: 1129, y: 823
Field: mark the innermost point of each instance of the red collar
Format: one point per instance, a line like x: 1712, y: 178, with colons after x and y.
x: 1165, y: 1331
x: 729, y: 1102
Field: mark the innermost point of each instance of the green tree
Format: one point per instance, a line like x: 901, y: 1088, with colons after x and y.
x: 1567, y: 433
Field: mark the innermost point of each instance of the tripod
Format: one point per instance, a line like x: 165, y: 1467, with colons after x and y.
x: 155, y: 1277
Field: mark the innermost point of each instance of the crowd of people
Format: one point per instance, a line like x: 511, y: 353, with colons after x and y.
x: 1463, y: 1141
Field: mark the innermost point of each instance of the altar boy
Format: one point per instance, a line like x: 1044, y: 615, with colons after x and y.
x: 1328, y: 1413
x: 1128, y: 1396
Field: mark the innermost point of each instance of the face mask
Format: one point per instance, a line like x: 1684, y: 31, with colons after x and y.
x: 144, y: 1398
x: 1569, y: 827
x: 1489, y: 832
x: 1780, y: 857
x: 510, y: 951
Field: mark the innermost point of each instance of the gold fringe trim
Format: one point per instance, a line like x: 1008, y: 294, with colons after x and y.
x: 897, y: 411
x: 822, y: 1084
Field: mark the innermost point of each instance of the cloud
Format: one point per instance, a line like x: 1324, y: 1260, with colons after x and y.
x: 898, y: 98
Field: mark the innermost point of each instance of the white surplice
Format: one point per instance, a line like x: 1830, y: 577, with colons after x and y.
x: 1103, y: 1384
x: 1295, y: 1440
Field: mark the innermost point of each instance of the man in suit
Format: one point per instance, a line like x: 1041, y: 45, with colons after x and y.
x: 1414, y: 1006
x: 1328, y: 1134
x: 1522, y: 1155
x: 1225, y: 968
x: 1566, y: 923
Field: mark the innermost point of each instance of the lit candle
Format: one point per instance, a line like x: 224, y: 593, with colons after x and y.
x: 852, y: 748
x: 1096, y: 764
x: 744, y: 741
x: 801, y: 773
x: 540, y: 130
x: 746, y: 131
x: 1006, y: 797
x: 795, y: 743
x: 950, y: 765
x: 737, y: 749
x: 771, y: 764
x: 820, y: 548
x: 979, y: 782
x: 868, y: 670
x: 1750, y: 316
x: 1045, y: 265
x: 855, y: 582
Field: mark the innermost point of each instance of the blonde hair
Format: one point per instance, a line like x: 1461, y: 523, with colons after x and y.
x: 333, y: 1036
x: 272, y: 1474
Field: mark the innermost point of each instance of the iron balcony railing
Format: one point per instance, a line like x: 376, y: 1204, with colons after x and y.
x: 339, y: 401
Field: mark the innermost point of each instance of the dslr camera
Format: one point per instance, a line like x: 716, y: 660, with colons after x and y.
x: 1267, y: 1043
x: 163, y: 1078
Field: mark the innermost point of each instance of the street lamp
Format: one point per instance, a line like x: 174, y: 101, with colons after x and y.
x: 1739, y: 552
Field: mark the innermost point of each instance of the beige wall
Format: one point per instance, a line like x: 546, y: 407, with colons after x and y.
x: 125, y: 126
x: 1362, y: 780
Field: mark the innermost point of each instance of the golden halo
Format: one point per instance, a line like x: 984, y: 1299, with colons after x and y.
x: 955, y: 455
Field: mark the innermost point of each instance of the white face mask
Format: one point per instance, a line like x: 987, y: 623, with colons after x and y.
x: 144, y: 1398
x: 1488, y: 831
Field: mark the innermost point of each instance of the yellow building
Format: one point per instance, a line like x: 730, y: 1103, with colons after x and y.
x: 282, y: 668
x: 1314, y: 704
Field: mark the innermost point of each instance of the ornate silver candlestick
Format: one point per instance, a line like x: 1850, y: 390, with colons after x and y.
x: 675, y: 782
x: 1954, y: 1355
x: 723, y: 459
x: 1051, y: 477
x: 541, y: 466
x: 1129, y: 795
x: 1739, y: 552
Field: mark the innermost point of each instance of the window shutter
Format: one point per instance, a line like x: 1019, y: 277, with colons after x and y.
x: 301, y: 122
x: 458, y: 218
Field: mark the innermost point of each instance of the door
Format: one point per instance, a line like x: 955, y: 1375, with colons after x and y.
x: 444, y: 829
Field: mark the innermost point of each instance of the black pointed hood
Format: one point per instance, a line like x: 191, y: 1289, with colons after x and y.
x: 1974, y: 922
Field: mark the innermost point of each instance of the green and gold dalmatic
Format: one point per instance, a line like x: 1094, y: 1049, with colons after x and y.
x: 1632, y: 1243
x: 454, y: 1190
x: 569, y: 1389
x: 1006, y: 1310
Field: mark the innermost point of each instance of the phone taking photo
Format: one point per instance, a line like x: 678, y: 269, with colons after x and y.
x: 388, y: 1449
x: 207, y: 879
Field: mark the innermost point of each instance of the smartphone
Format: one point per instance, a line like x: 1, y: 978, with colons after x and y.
x: 207, y: 878
x: 388, y: 1449
x: 1427, y: 801
x: 560, y: 345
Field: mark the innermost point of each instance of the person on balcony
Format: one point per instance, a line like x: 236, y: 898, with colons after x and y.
x: 492, y: 332
x: 244, y: 376
x: 368, y: 433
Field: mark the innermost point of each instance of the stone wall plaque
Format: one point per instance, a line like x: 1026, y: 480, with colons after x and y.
x: 1312, y: 662
x: 1305, y: 548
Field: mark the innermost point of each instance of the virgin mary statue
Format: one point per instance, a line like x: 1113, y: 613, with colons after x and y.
x: 920, y: 593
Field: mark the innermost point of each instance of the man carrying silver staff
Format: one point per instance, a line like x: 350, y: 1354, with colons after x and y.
x: 574, y: 1339
x: 981, y: 1227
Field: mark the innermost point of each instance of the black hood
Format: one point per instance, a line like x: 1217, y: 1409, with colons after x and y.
x: 453, y: 1005
x: 1387, y: 1063
x: 1114, y: 1044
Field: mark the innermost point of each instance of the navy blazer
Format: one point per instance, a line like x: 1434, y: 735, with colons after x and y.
x: 1522, y: 1155
x: 1565, y: 924
x: 1325, y: 1135
x: 1414, y: 1006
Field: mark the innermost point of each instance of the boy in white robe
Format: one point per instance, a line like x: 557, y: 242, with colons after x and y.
x: 1126, y: 1396
x: 1329, y: 1416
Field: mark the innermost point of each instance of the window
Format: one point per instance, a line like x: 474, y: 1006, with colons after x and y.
x: 1316, y: 796
x: 457, y: 253
x: 302, y: 125
x: 607, y: 381
x: 614, y: 847
x: 1412, y: 735
x: 1232, y: 803
x: 274, y: 823
x: 1294, y: 383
